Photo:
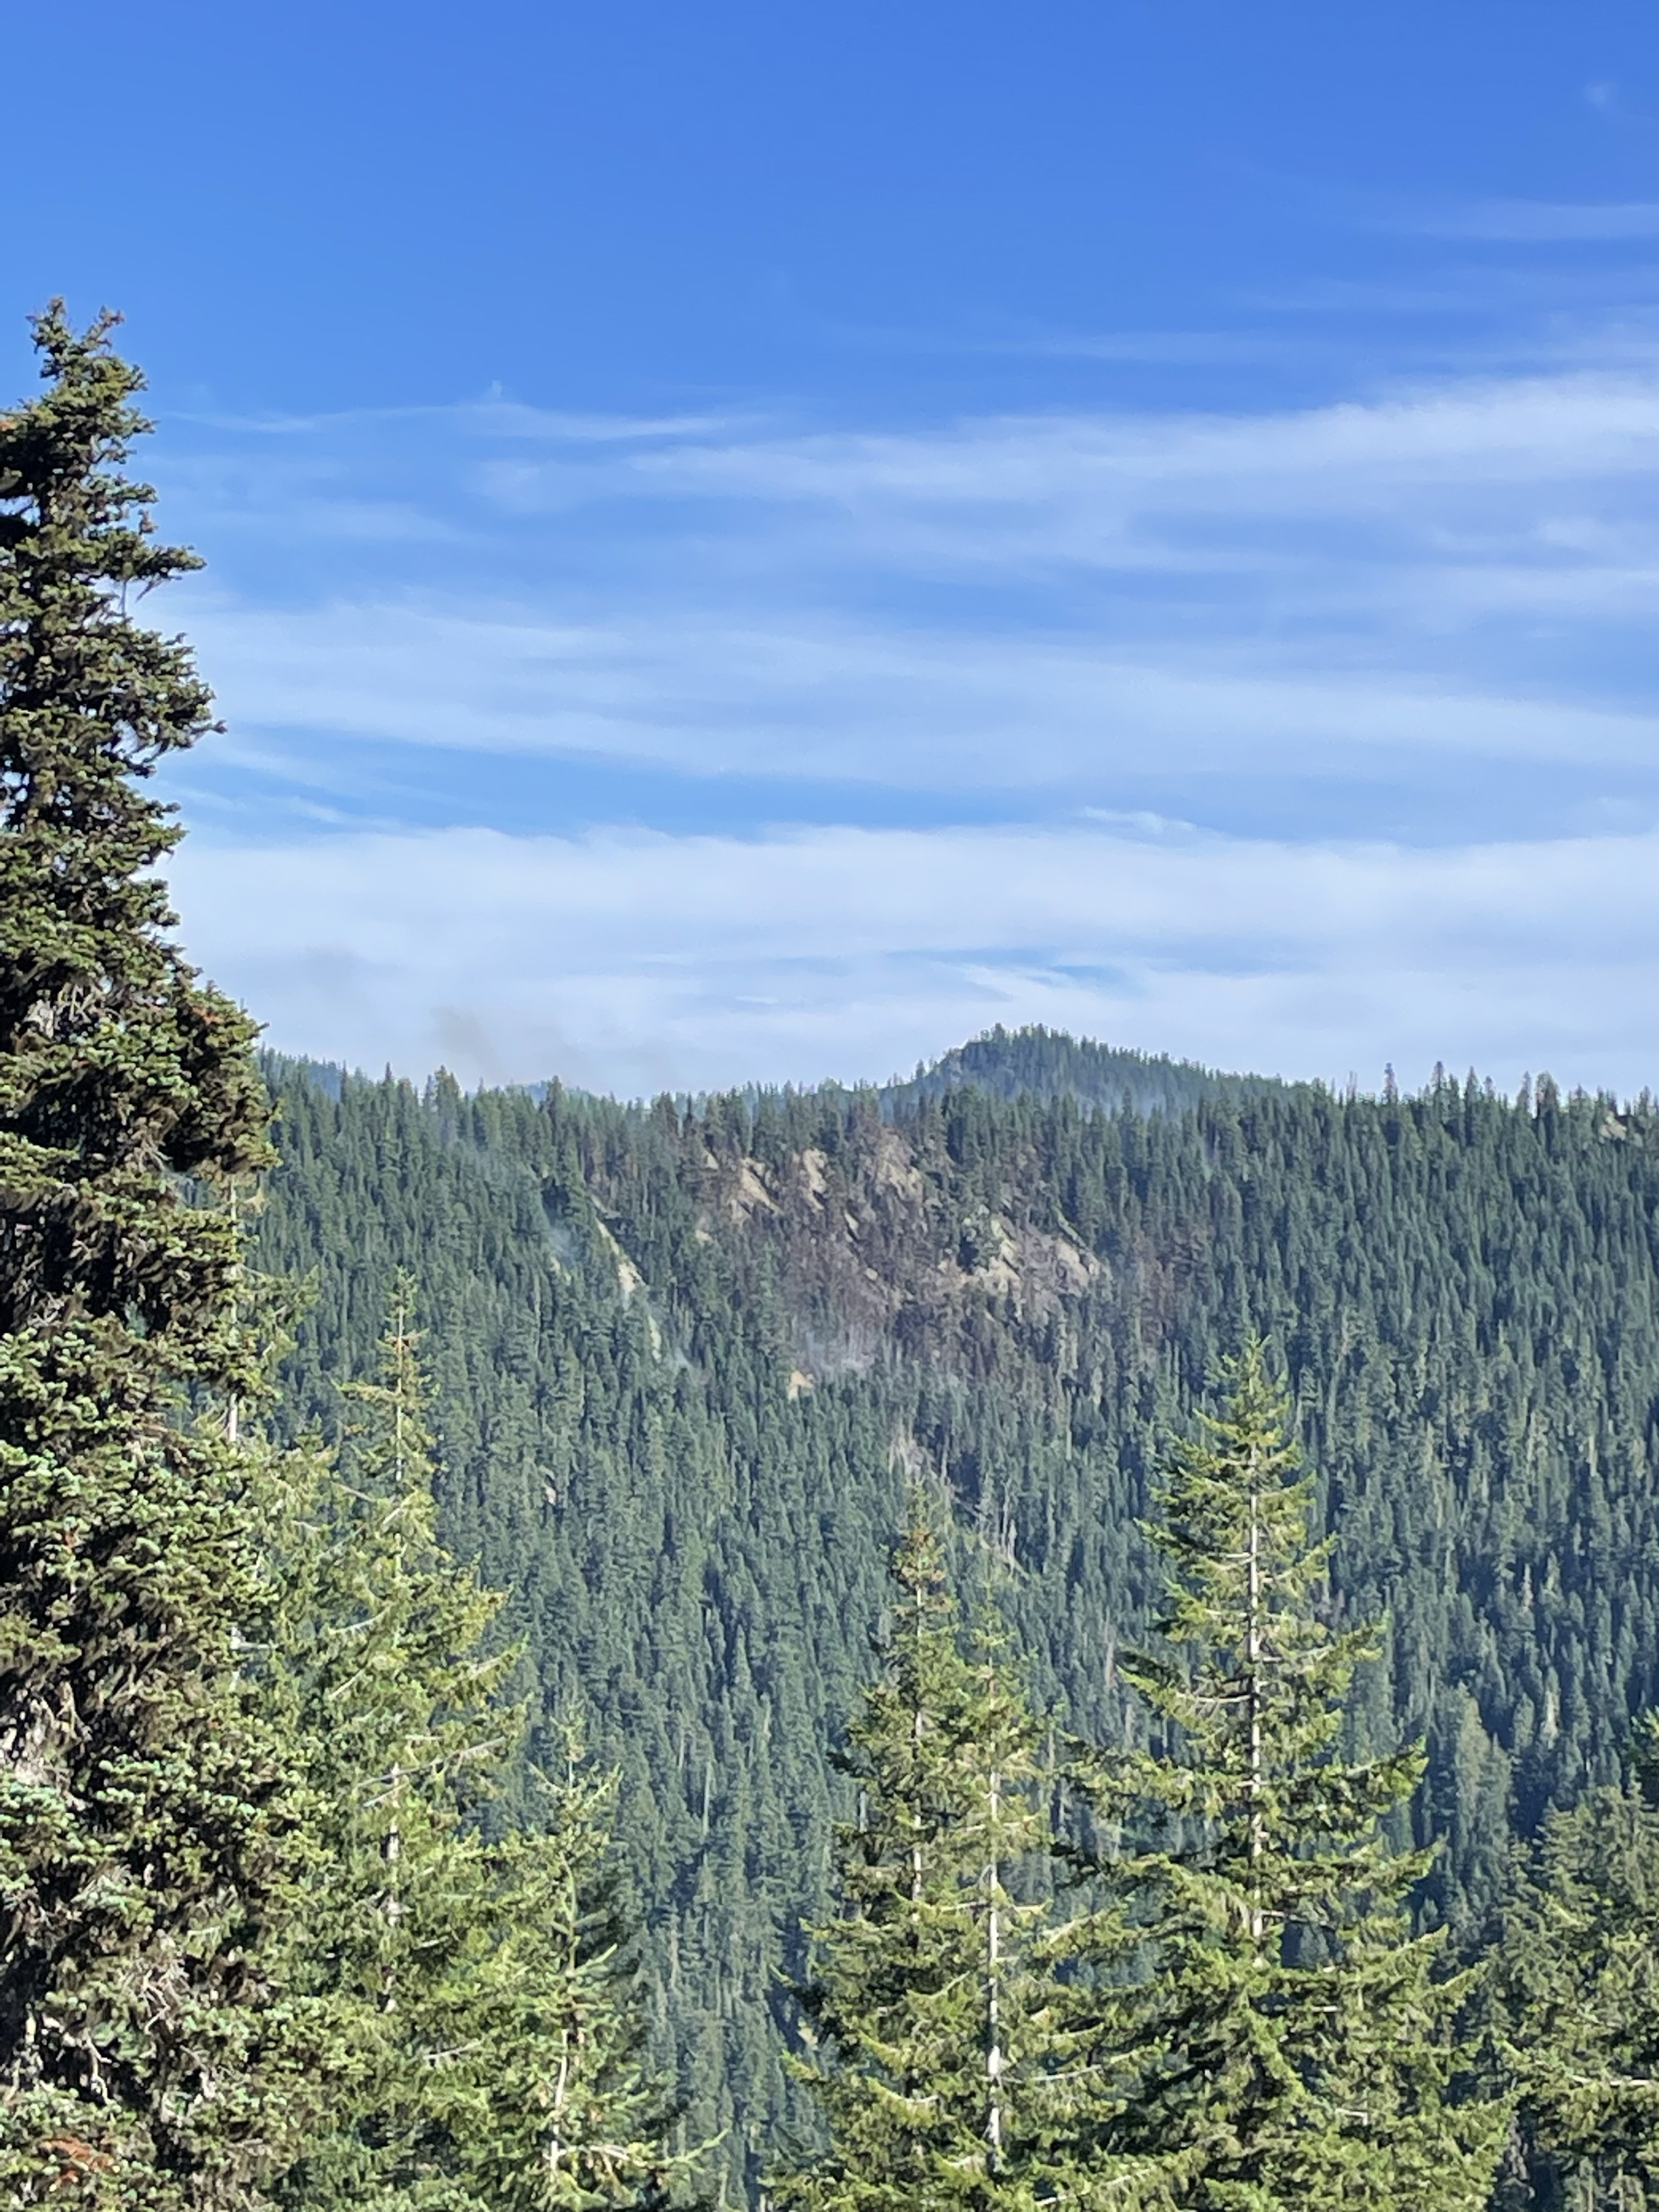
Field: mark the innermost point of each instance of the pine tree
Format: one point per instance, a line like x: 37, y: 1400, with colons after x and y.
x: 477, y: 2051
x: 1574, y: 2004
x: 140, y: 1795
x: 1294, y: 2047
x: 936, y: 2011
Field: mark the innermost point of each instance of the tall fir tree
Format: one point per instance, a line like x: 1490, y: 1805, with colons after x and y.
x: 1574, y: 2001
x: 1294, y: 2049
x: 477, y: 2046
x: 139, y: 1794
x: 942, y: 2064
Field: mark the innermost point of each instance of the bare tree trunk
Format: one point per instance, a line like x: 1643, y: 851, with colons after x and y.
x: 993, y: 1995
x: 1253, y: 1659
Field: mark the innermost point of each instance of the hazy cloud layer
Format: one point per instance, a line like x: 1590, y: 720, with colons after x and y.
x: 643, y: 962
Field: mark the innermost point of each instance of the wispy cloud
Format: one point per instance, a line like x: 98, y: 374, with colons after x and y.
x: 1550, y: 476
x: 1470, y: 437
x: 1324, y: 458
x: 1470, y: 570
x: 1544, y: 222
x: 830, y: 698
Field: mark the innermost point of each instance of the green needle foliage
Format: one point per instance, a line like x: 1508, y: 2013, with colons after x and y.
x: 937, y: 2011
x: 140, y: 1796
x: 476, y: 2045
x: 1295, y: 2050
x: 1576, y: 2002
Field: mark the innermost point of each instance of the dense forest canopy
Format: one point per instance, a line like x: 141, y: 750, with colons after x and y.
x: 687, y: 1356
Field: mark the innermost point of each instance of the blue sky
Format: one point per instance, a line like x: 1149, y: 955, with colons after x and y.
x: 752, y: 541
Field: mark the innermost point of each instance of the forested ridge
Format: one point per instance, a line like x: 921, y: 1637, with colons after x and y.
x: 688, y: 1355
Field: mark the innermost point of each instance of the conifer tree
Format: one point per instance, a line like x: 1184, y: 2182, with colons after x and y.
x: 478, y: 2052
x: 139, y: 1794
x: 1575, y: 1998
x: 1294, y: 2049
x: 937, y: 2009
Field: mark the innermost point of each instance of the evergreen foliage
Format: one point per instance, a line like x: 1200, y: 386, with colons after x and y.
x: 465, y: 1994
x: 1574, y: 2007
x: 1043, y: 1063
x: 935, y: 2011
x: 140, y: 1796
x: 1290, y: 2040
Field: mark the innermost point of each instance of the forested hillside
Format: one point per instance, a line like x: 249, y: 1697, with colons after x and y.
x: 686, y: 1357
x: 1046, y: 1063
